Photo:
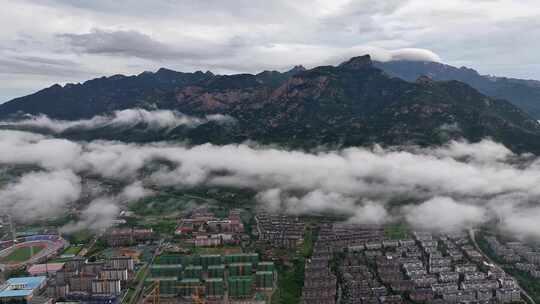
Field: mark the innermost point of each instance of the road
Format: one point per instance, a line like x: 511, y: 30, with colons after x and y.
x: 472, y: 234
x: 138, y: 294
x: 87, y: 248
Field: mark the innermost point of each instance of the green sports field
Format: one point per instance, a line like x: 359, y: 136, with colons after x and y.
x: 22, y: 254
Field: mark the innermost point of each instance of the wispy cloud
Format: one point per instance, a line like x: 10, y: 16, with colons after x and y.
x: 157, y: 119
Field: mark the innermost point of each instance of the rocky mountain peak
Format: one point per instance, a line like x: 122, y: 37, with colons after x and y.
x: 296, y: 69
x: 425, y: 80
x: 358, y: 62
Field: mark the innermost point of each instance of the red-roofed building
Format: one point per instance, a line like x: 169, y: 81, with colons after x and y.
x: 44, y: 269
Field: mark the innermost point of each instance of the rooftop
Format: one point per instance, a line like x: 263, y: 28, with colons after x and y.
x: 27, y: 282
x: 21, y: 287
x: 15, y: 293
x: 42, y: 268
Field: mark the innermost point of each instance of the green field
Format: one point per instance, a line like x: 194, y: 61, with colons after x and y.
x: 72, y: 250
x: 22, y: 254
x: 291, y: 277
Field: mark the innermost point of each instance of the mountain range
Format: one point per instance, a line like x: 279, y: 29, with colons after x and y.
x: 523, y: 93
x: 358, y: 102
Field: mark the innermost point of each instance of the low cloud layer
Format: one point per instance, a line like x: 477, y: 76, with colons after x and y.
x: 97, y: 216
x: 155, y: 120
x: 457, y: 186
x: 445, y: 214
x: 134, y: 191
x: 40, y: 195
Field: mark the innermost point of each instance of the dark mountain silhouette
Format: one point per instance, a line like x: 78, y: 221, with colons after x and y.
x: 352, y: 104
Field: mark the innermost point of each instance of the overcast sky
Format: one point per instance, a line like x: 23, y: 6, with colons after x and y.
x: 57, y: 41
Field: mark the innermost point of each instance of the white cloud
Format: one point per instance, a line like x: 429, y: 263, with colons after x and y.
x: 155, y: 120
x: 381, y: 54
x: 135, y: 191
x: 484, y: 151
x: 271, y: 199
x: 371, y: 213
x: 444, y: 214
x: 28, y: 148
x: 40, y: 195
x: 521, y: 222
x: 320, y: 202
x: 98, y: 216
x: 454, y: 186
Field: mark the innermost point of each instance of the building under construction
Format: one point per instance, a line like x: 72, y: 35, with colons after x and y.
x: 211, y: 278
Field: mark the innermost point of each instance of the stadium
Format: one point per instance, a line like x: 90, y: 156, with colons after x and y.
x: 30, y: 250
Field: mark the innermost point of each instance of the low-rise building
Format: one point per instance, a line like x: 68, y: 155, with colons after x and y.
x: 422, y: 295
x: 390, y: 243
x: 525, y: 266
x: 446, y: 277
x: 373, y: 245
x: 484, y: 295
x: 463, y: 268
x: 45, y: 269
x: 402, y: 286
x: 474, y: 276
x: 459, y: 296
x: 425, y: 280
x: 508, y: 283
x: 480, y: 284
x: 508, y: 295
x: 441, y: 288
x: 21, y: 289
x: 407, y: 243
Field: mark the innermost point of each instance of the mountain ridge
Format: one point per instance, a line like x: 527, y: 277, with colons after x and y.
x: 354, y: 103
x: 524, y: 93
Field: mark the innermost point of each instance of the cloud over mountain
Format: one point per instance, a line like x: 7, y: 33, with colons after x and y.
x: 243, y: 36
x: 156, y: 120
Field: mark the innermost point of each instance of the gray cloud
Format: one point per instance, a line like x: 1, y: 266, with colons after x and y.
x: 41, y: 66
x: 117, y: 43
x: 137, y: 44
x: 250, y: 36
x: 225, y: 55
